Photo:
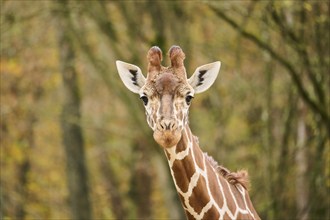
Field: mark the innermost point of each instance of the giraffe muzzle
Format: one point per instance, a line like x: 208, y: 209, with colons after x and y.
x: 167, y: 125
x: 167, y: 133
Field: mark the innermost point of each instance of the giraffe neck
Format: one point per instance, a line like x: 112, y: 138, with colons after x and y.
x: 204, y: 192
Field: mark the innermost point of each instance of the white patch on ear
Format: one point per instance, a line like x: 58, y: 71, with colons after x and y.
x: 204, y: 76
x: 131, y: 76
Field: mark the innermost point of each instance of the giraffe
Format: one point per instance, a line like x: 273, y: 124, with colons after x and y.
x: 206, y: 190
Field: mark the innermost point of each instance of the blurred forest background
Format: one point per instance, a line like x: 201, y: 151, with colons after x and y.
x: 75, y: 143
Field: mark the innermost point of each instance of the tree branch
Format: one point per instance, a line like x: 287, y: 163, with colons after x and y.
x: 296, y: 41
x: 283, y: 61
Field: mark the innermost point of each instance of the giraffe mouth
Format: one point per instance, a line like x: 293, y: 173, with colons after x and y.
x: 168, y: 138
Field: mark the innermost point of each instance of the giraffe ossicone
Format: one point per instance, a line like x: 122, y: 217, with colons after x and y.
x: 206, y: 190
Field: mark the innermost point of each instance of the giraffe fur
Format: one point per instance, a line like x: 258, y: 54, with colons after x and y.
x: 207, y: 191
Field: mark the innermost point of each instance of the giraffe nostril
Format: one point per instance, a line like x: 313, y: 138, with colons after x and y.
x: 173, y: 126
x: 167, y: 125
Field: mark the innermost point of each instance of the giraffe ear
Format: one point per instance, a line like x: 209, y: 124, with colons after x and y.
x: 204, y: 76
x: 131, y: 76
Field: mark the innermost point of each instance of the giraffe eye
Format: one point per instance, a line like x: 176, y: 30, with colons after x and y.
x: 144, y: 99
x: 188, y: 99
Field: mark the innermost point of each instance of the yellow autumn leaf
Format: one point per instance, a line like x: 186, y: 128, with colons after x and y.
x: 10, y: 66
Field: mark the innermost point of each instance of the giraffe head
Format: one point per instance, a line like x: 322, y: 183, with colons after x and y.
x: 166, y: 92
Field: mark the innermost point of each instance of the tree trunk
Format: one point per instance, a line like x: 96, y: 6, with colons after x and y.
x: 282, y: 203
x: 141, y: 183
x: 24, y: 168
x: 112, y: 187
x: 302, y: 187
x: 23, y: 171
x: 77, y: 178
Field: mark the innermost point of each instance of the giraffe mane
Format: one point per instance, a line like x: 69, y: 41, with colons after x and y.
x: 239, y: 177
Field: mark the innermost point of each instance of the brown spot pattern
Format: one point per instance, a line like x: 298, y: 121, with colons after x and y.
x: 226, y: 216
x: 228, y: 195
x: 238, y: 196
x: 199, y: 198
x: 182, y: 145
x: 214, y: 187
x: 211, y: 214
x: 183, y: 171
x: 182, y: 201
x: 198, y: 156
x: 189, y: 216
